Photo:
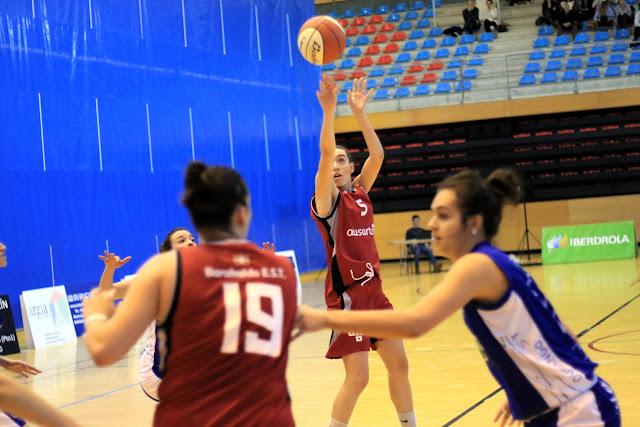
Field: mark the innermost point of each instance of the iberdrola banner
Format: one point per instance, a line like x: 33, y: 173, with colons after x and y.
x: 589, y: 242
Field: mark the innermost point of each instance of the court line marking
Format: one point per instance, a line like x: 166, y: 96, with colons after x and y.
x: 457, y: 418
x: 99, y: 395
x: 592, y: 346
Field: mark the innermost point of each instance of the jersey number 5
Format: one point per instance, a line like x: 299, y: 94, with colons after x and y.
x: 271, y: 322
x: 364, y: 207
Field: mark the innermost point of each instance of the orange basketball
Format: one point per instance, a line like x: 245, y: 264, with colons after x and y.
x: 321, y: 40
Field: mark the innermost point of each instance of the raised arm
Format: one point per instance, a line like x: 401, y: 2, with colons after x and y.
x: 111, y: 263
x: 326, y: 190
x: 358, y: 98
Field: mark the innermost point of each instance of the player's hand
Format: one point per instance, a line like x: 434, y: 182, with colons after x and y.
x: 505, y: 413
x: 309, y: 320
x: 269, y: 247
x: 328, y: 94
x: 20, y: 367
x: 113, y: 261
x: 98, y: 302
x: 359, y: 96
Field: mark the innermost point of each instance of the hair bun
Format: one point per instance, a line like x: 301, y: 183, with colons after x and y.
x: 506, y: 184
x: 193, y: 175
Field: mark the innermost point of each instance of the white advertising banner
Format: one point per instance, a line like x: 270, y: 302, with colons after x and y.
x: 292, y: 257
x: 46, y: 317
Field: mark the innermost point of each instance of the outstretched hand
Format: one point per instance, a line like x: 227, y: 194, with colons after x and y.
x: 269, y: 247
x: 328, y: 94
x: 113, y: 261
x: 505, y: 413
x: 359, y: 96
x: 20, y: 367
x: 309, y: 320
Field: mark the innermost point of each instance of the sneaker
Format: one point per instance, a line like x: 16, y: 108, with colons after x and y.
x: 437, y: 267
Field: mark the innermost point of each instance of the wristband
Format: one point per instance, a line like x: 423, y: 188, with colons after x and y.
x: 97, y: 316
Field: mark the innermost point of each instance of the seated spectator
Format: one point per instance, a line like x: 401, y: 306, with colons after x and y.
x: 588, y: 9
x: 471, y: 18
x: 624, y: 14
x: 490, y: 17
x: 416, y: 232
x: 603, y: 18
x: 567, y: 19
x: 636, y: 24
x: 550, y: 12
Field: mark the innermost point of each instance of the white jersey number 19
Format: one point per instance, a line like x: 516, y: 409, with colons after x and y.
x: 271, y: 322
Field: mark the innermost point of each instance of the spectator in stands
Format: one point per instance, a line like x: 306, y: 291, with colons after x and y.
x: 636, y: 24
x: 624, y: 14
x: 490, y: 17
x: 587, y: 9
x: 550, y: 12
x: 471, y: 18
x: 417, y: 232
x: 567, y: 19
x: 603, y: 18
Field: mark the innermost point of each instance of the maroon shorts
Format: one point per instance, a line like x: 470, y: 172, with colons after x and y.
x: 357, y: 297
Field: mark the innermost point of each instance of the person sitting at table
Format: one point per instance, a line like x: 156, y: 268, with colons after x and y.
x: 416, y: 232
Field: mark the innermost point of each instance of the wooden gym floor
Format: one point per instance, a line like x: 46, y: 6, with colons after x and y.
x: 598, y: 300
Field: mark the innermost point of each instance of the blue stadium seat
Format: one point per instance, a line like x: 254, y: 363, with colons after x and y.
x: 616, y: 58
x: 410, y: 45
x: 578, y: 51
x: 536, y: 55
x: 449, y: 75
x: 448, y: 41
x: 334, y: 14
x: 403, y: 57
x: 471, y: 73
x: 396, y: 70
x: 581, y: 38
x: 329, y: 67
x: 486, y: 37
x: 549, y: 78
x: 428, y: 13
x: 389, y: 82
x: 376, y: 72
x: 592, y: 73
x: 557, y: 53
x: 598, y: 48
x: 347, y: 87
x: 481, y: 48
x: 574, y: 63
x: 633, y: 69
x: 423, y: 23
x: 437, y: 3
x: 354, y: 51
x: 601, y: 36
x: 365, y: 11
x: 621, y: 33
x: 619, y: 46
x: 381, y: 94
x: 570, y: 76
x: 400, y: 7
x: 393, y: 17
x: 527, y: 79
x: 545, y: 30
x: 422, y: 90
x: 423, y: 55
x: 541, y: 42
x: 429, y: 44
x: 362, y: 40
x: 348, y: 43
x: 417, y: 5
x: 532, y: 67
x: 553, y: 66
x: 468, y: 38
x: 416, y: 34
x: 442, y: 53
x: 346, y: 63
x: 443, y: 88
x: 466, y: 86
x: 561, y: 40
x: 456, y: 63
x: 595, y: 61
x: 349, y: 13
x: 634, y: 57
x: 342, y: 98
x: 372, y: 84
x: 461, y: 51
x: 401, y: 92
x: 613, y: 71
x: 435, y: 32
x: 382, y: 9
x: 475, y: 61
x: 411, y: 15
x: 404, y: 26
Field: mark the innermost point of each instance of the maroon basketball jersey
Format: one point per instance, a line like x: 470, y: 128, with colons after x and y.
x: 224, y: 344
x: 347, y: 231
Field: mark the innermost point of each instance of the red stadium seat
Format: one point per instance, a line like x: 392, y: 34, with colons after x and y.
x: 380, y: 38
x: 400, y: 35
x: 357, y: 74
x: 385, y: 59
x: 391, y: 47
x: 373, y: 50
x: 429, y: 78
x: 369, y: 29
x: 351, y: 31
x: 436, y: 65
x: 366, y: 61
x: 339, y: 77
x: 358, y: 20
x: 416, y: 68
x: 408, y: 80
x: 375, y: 19
x: 343, y: 22
x: 387, y: 27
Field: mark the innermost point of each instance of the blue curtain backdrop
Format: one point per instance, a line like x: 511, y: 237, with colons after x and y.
x: 103, y: 103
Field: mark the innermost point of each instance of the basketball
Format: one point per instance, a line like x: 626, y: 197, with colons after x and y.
x: 321, y: 40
